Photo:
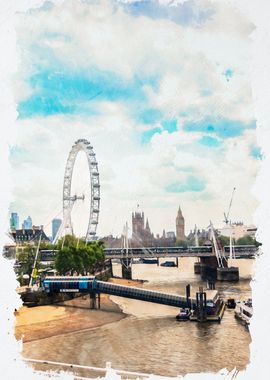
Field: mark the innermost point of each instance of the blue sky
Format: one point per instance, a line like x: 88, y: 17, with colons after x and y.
x: 60, y: 89
x: 220, y: 127
x: 188, y: 13
x: 191, y: 184
x: 169, y: 110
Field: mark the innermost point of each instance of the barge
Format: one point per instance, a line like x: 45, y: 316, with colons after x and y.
x: 205, y: 306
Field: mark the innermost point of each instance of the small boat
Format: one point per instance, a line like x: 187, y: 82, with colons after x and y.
x: 168, y: 264
x: 183, y: 315
x: 150, y: 261
x: 244, y: 311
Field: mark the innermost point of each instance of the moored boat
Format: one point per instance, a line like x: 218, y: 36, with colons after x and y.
x: 150, y: 261
x: 183, y: 315
x: 244, y: 311
x: 168, y: 264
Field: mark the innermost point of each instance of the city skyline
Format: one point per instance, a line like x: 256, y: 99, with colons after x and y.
x: 179, y: 231
x: 170, y: 122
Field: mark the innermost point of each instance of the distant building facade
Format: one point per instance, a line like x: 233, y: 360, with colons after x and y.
x: 29, y: 236
x: 170, y: 235
x: 56, y: 223
x: 141, y: 234
x: 111, y: 241
x: 201, y: 234
x: 27, y: 223
x: 14, y: 221
x: 180, y: 225
x: 238, y: 230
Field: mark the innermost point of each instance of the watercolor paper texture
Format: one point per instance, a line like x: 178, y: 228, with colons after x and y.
x: 163, y: 93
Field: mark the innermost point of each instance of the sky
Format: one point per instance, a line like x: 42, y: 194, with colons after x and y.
x: 161, y: 90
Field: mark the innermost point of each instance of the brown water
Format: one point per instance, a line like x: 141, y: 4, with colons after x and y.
x: 151, y: 340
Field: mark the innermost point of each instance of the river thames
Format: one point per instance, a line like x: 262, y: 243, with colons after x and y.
x: 150, y: 340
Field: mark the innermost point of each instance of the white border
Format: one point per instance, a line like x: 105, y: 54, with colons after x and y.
x: 12, y: 366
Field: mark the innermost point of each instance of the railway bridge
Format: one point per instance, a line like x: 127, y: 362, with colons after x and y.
x: 240, y: 252
x: 212, y: 261
x: 211, y: 264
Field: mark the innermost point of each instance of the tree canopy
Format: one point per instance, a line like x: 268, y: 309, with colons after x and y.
x: 76, y: 256
x: 224, y: 240
x: 181, y: 243
x: 26, y: 257
x: 247, y: 240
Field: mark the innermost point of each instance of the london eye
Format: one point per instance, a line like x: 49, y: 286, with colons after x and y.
x: 69, y: 199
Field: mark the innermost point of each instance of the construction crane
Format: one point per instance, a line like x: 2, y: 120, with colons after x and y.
x: 226, y: 216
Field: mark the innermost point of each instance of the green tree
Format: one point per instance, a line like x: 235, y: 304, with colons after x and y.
x: 69, y: 241
x: 181, y: 243
x: 79, y: 257
x: 26, y: 257
x: 247, y: 240
x: 46, y: 245
x: 64, y: 260
x: 224, y: 240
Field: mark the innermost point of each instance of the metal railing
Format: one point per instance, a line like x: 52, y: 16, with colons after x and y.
x: 108, y: 370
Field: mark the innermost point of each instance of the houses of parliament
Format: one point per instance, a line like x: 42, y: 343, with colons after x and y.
x: 142, y: 236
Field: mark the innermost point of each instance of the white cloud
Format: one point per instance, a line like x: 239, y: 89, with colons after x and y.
x: 189, y: 61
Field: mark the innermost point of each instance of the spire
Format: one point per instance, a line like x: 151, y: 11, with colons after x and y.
x: 180, y: 225
x: 147, y: 228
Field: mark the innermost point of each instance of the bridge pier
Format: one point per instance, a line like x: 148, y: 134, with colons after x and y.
x: 188, y: 296
x: 94, y: 300
x: 110, y: 268
x: 209, y: 266
x: 126, y: 268
x: 197, y: 267
x: 201, y: 305
x: 211, y: 271
x: 228, y: 274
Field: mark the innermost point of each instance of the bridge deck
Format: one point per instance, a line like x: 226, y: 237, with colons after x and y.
x: 143, y: 294
x: 84, y: 285
x: 241, y: 252
x: 148, y: 254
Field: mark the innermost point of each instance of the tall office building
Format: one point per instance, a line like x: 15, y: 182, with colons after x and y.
x: 27, y: 223
x: 56, y: 223
x: 14, y: 221
x: 180, y: 226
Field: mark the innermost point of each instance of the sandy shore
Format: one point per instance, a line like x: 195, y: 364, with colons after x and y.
x: 74, y: 315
